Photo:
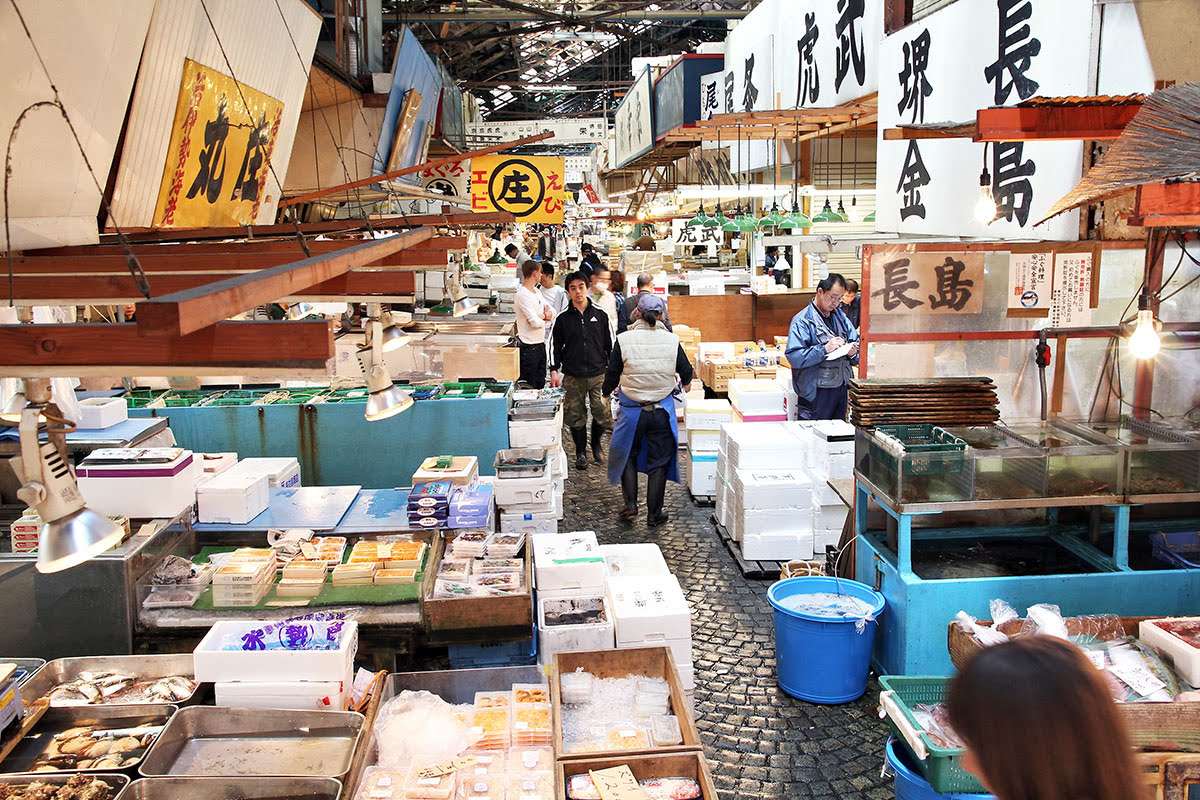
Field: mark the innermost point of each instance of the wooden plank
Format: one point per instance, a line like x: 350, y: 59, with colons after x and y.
x: 106, y: 289
x: 452, y: 217
x: 967, y: 129
x: 1053, y: 123
x: 190, y: 310
x: 13, y: 736
x: 230, y: 345
x: 227, y: 263
x: 398, y: 173
x: 290, y: 247
x: 1166, y: 204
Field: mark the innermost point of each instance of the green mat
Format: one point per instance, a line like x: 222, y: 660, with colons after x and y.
x: 372, y: 595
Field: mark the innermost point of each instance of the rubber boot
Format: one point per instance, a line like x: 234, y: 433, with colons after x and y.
x: 580, y: 437
x: 656, y: 488
x: 629, y: 489
x: 597, y: 448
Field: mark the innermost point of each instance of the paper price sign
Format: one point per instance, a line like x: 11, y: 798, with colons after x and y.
x: 445, y: 767
x: 616, y: 783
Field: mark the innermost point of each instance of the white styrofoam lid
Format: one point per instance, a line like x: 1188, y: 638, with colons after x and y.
x: 640, y: 558
x: 709, y: 406
x: 650, y: 596
x: 551, y: 547
x: 774, y: 478
x: 834, y: 430
x: 232, y: 480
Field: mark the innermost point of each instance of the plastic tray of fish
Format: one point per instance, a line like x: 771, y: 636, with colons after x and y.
x: 243, y: 788
x: 89, y: 739
x: 115, y: 680
x: 93, y: 786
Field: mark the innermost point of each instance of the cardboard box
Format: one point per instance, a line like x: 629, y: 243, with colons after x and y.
x: 500, y: 363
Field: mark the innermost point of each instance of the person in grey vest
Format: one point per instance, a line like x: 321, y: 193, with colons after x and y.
x: 645, y: 362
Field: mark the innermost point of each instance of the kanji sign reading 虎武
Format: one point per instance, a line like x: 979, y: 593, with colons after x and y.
x: 531, y: 188
x: 926, y: 283
x: 1029, y: 276
x: 219, y: 155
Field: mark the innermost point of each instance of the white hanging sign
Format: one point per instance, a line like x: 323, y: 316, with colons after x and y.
x: 1029, y: 276
x: 1072, y: 304
x: 634, y: 121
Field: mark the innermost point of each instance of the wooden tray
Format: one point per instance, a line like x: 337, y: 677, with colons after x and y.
x: 651, y: 662
x: 665, y: 765
x: 472, y: 613
x: 963, y: 645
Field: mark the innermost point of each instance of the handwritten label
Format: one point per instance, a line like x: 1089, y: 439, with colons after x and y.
x: 309, y: 551
x: 617, y: 783
x: 1096, y: 657
x: 434, y: 771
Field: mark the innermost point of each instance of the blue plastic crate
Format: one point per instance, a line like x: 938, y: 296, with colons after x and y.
x: 522, y: 653
x: 1180, y: 550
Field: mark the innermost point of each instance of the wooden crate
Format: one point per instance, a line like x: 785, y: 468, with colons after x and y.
x: 1168, y: 775
x: 651, y: 662
x: 667, y: 765
x: 469, y: 613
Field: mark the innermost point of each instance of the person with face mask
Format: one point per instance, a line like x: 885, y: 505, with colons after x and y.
x: 822, y: 383
x: 604, y: 299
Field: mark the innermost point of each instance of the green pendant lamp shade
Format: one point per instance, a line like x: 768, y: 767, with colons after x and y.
x: 826, y: 214
x: 747, y: 223
x: 698, y: 220
x: 730, y: 224
x: 795, y: 220
x: 772, y: 218
x: 841, y: 211
x: 716, y: 220
x: 496, y: 257
x: 869, y: 217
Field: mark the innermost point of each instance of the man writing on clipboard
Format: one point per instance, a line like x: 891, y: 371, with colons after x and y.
x: 822, y: 349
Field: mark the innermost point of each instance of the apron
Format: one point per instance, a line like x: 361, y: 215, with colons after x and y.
x: 623, y: 438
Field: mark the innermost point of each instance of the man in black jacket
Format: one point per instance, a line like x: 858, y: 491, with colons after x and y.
x: 582, y: 344
x: 591, y: 262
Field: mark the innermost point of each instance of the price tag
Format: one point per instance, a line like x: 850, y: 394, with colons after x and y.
x: 445, y: 768
x: 617, y: 783
x: 1096, y: 657
x: 309, y: 551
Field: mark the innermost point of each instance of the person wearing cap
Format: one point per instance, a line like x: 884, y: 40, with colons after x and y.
x: 645, y: 284
x: 647, y: 364
x: 591, y: 262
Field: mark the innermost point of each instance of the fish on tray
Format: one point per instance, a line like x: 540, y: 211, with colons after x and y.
x: 79, y: 787
x: 98, y: 688
x: 96, y: 747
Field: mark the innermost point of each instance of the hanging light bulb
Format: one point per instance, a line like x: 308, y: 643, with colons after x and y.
x: 1144, y: 342
x: 985, y: 206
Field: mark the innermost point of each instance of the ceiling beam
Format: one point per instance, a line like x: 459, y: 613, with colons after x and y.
x: 1053, y: 123
x: 63, y: 350
x: 511, y: 14
x: 252, y: 246
x: 181, y: 313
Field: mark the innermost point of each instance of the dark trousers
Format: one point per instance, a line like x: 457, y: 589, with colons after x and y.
x: 533, y: 364
x: 827, y: 404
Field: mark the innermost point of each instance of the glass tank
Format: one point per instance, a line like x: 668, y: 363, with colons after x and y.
x: 1080, y: 463
x: 1006, y: 466
x: 915, y: 463
x: 1158, y: 459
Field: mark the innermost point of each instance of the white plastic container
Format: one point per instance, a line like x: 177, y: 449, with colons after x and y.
x: 282, y: 473
x: 523, y: 491
x: 707, y: 414
x: 464, y: 471
x: 631, y: 560
x: 529, y: 522
x: 232, y: 499
x: 302, y: 695
x: 151, y: 483
x: 568, y: 562
x: 650, y: 610
x: 213, y: 664
x: 536, y: 433
x: 97, y: 413
x: 571, y: 638
x: 702, y: 473
x: 1175, y: 651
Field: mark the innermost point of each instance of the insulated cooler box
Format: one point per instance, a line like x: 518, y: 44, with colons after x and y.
x: 232, y: 499
x: 651, y: 611
x: 628, y: 560
x: 282, y: 473
x: 537, y: 490
x: 529, y: 521
x: 145, y: 482
x: 702, y: 473
x: 568, y: 564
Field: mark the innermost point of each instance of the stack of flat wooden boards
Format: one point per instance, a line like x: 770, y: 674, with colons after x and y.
x: 938, y: 401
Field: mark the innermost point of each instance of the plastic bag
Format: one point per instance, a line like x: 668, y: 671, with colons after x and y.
x: 420, y: 723
x: 984, y: 635
x: 1002, y: 612
x: 935, y: 721
x: 1044, y: 619
x: 1134, y: 673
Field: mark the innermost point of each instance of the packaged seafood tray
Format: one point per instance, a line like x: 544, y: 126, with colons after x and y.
x: 499, y: 566
x: 438, y: 787
x: 1080, y: 463
x: 941, y: 766
x: 1158, y: 458
x: 530, y: 759
x: 531, y: 725
x: 170, y: 596
x: 498, y: 583
x: 530, y: 693
x: 469, y: 544
x: 492, y: 726
x: 1177, y: 640
x: 629, y: 735
x: 531, y: 785
x: 493, y: 700
x: 63, y: 786
x: 89, y: 739
x: 481, y: 787
x: 115, y: 680
x: 488, y: 764
x: 505, y: 545
x: 576, y: 687
x: 682, y: 776
x: 456, y: 569
x: 520, y: 462
x: 381, y: 783
x: 914, y: 463
x: 256, y: 789
x: 665, y: 730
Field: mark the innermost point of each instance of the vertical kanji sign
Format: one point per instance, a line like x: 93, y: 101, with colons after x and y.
x: 532, y: 188
x: 1029, y: 282
x: 926, y: 283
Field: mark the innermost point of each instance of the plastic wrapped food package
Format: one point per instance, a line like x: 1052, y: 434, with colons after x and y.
x: 498, y: 584
x: 491, y: 725
x: 531, y: 693
x: 499, y: 566
x: 477, y: 787
x: 935, y: 721
x: 505, y: 545
x: 493, y: 700
x: 586, y: 739
x: 487, y: 764
x: 530, y: 786
x: 449, y: 590
x: 420, y: 723
x: 576, y: 687
x: 530, y: 759
x: 441, y: 787
x: 531, y: 718
x: 471, y: 544
x: 626, y: 736
x: 457, y: 569
x: 665, y: 730
x: 1134, y: 673
x: 580, y: 787
x: 379, y: 783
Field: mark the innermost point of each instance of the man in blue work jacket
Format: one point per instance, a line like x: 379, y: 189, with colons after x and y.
x: 818, y: 331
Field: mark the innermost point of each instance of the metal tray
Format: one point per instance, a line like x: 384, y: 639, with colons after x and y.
x: 243, y: 788
x: 115, y: 781
x: 30, y: 666
x: 57, y: 720
x: 64, y: 670
x: 523, y: 470
x: 219, y: 741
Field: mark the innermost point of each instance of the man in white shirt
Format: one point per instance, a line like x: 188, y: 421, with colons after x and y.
x: 604, y: 299
x: 532, y: 315
x: 555, y: 297
x: 516, y: 254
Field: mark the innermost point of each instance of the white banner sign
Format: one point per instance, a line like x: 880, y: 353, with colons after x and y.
x: 1029, y: 277
x: 634, y: 120
x: 566, y: 131
x: 687, y: 237
x: 712, y: 98
x: 1072, y: 304
x: 970, y: 55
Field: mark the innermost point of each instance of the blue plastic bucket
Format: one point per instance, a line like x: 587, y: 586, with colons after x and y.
x: 909, y: 783
x: 818, y: 658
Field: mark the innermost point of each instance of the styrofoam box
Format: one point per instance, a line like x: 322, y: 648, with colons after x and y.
x: 649, y: 609
x: 837, y: 467
x: 547, y: 507
x: 642, y: 558
x: 568, y: 561
x: 832, y: 430
x: 96, y: 413
x: 704, y: 441
x: 1178, y: 653
x: 702, y: 474
x: 464, y: 472
x: 214, y: 664
x: 773, y: 521
x: 536, y: 433
x: 558, y: 485
x: 282, y: 473
x: 556, y: 458
x: 738, y: 416
x: 558, y: 507
x: 753, y: 397
x: 231, y: 498
x: 302, y: 695
x: 144, y: 490
x: 772, y: 489
x: 523, y: 491
x: 572, y: 638
x: 777, y: 546
x: 763, y: 445
x: 825, y: 537
x: 216, y: 463
x: 823, y: 493
x: 707, y: 414
x: 529, y: 522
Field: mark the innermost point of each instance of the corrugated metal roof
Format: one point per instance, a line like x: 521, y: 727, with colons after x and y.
x: 1161, y: 143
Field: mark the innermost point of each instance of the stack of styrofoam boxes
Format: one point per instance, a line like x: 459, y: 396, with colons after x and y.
x: 504, y: 285
x: 757, y: 401
x: 830, y: 446
x: 704, y: 421
x: 783, y: 377
x: 477, y: 285
x: 569, y: 572
x: 768, y: 458
x: 650, y: 611
x: 725, y: 476
x: 545, y: 433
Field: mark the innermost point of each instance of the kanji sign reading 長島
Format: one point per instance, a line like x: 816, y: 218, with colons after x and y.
x: 926, y: 283
x: 531, y: 188
x: 219, y: 154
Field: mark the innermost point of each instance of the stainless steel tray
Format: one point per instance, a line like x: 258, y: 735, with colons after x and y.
x: 57, y: 720
x: 536, y: 470
x: 115, y: 781
x: 30, y: 666
x: 64, y: 670
x: 242, y: 788
x: 219, y: 741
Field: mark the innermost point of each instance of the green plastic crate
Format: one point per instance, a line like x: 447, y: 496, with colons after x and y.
x: 460, y: 391
x: 929, y: 450
x: 943, y: 768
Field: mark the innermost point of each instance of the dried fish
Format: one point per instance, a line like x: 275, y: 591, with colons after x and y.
x: 125, y: 744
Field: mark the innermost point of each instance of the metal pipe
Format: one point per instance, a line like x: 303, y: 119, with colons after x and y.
x: 583, y: 20
x: 1042, y: 372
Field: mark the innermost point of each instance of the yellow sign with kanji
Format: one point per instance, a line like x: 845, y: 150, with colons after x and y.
x: 219, y: 156
x: 532, y: 188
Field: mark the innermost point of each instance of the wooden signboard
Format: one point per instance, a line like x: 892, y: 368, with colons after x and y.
x: 926, y: 283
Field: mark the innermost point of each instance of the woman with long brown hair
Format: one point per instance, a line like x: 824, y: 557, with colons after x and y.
x: 1039, y: 724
